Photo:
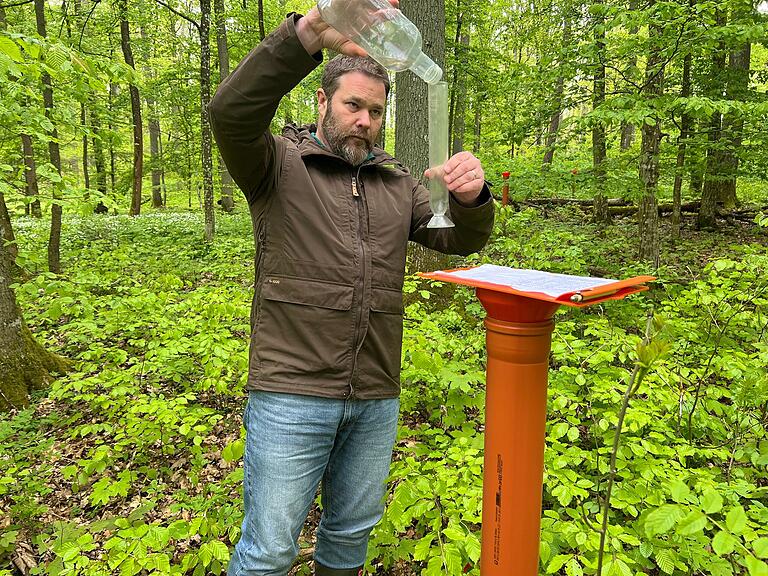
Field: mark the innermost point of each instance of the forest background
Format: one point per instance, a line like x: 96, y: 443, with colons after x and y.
x: 634, y: 135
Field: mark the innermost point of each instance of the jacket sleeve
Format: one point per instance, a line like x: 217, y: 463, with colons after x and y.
x: 473, y: 226
x: 246, y: 101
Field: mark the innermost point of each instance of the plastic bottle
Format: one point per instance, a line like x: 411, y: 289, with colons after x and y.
x: 382, y: 31
x: 438, y: 154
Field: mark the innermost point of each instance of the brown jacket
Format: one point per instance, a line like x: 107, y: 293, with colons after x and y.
x: 331, y: 238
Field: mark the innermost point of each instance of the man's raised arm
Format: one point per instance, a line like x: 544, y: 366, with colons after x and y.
x: 246, y: 102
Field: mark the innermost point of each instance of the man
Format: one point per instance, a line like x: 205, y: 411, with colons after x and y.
x: 332, y: 215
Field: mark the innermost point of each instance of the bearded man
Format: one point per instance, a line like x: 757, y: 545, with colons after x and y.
x: 332, y: 215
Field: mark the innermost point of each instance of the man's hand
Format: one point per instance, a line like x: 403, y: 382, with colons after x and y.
x: 315, y: 34
x: 463, y: 176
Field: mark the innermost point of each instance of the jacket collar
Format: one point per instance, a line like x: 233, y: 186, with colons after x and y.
x: 309, y: 145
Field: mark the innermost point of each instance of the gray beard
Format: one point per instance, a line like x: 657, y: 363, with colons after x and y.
x: 352, y: 150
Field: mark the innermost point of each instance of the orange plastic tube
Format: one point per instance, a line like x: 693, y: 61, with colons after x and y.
x: 516, y: 403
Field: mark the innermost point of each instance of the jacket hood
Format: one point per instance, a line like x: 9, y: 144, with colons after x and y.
x: 308, y: 145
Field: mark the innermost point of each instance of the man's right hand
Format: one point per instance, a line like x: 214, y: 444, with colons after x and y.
x: 315, y: 34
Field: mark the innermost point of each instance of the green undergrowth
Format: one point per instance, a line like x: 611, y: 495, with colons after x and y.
x: 130, y: 464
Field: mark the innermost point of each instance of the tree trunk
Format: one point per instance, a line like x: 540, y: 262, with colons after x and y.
x: 733, y: 124
x: 6, y: 229
x: 84, y: 122
x: 599, y: 153
x: 138, y: 138
x: 54, y: 240
x: 713, y: 177
x: 205, y: 128
x: 98, y: 161
x: 110, y: 125
x: 478, y: 126
x: 153, y: 126
x: 557, y: 112
x: 24, y: 364
x: 459, y: 109
x: 222, y: 50
x: 261, y: 18
x: 411, y: 146
x: 648, y: 214
x: 30, y: 177
x: 627, y: 128
x: 682, y: 141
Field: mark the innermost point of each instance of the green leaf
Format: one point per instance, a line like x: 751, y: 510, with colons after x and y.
x: 219, y: 550
x: 10, y: 49
x: 723, y: 543
x: 662, y: 519
x: 233, y: 451
x: 665, y: 561
x: 205, y: 554
x: 454, y: 533
x: 680, y: 491
x: 711, y: 501
x: 557, y: 562
x: 573, y: 568
x: 760, y: 546
x: 646, y: 549
x: 472, y: 548
x: 421, y: 551
x: 695, y: 521
x: 736, y: 520
x: 756, y: 567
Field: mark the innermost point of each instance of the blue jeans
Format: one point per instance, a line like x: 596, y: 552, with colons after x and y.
x: 292, y: 444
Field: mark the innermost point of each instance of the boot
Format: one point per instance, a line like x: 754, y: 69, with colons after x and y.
x: 321, y: 570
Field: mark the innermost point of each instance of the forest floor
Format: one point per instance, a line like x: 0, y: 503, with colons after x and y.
x: 131, y: 463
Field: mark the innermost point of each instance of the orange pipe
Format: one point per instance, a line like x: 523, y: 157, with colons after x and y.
x: 518, y: 339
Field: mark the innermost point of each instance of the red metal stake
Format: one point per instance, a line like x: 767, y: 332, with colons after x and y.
x: 505, y: 189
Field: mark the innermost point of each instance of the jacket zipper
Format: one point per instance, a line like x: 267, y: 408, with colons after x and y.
x: 361, y: 283
x: 261, y: 244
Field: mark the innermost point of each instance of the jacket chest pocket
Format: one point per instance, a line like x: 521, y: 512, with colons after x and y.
x: 316, y: 216
x: 389, y: 218
x: 305, y: 327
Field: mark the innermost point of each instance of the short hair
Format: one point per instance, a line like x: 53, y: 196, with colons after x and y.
x: 342, y: 64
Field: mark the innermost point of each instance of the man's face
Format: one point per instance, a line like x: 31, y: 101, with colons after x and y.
x: 350, y: 121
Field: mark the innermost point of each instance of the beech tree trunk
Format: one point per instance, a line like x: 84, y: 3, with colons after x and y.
x: 557, y: 112
x: 648, y: 213
x: 411, y: 145
x: 111, y: 126
x: 205, y: 127
x: 84, y: 123
x: 30, y: 178
x: 733, y: 123
x: 411, y: 98
x: 138, y: 138
x: 599, y: 153
x: 261, y: 18
x: 627, y: 128
x: 713, y: 178
x: 682, y: 141
x: 222, y: 51
x: 24, y: 364
x: 478, y: 126
x: 54, y: 239
x: 460, y: 107
x: 6, y: 229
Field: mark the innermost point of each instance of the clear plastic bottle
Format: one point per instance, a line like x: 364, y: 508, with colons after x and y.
x: 438, y: 155
x: 382, y: 31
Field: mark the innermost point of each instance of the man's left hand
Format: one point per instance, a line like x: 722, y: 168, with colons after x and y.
x: 463, y: 176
